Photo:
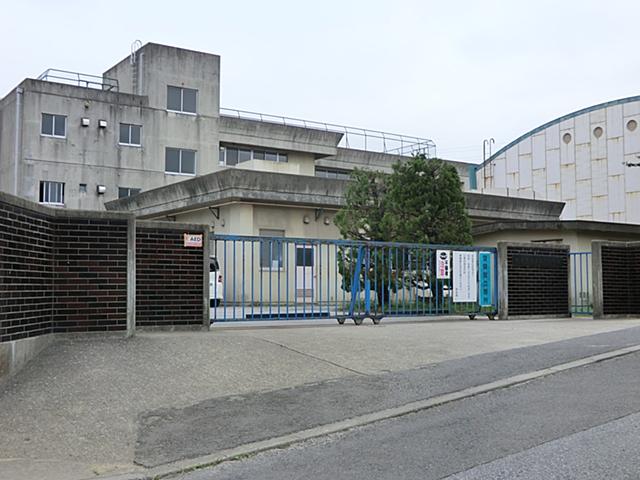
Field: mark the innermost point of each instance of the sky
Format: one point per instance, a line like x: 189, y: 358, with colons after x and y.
x: 456, y: 72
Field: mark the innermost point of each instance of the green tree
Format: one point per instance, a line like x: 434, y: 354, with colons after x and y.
x: 425, y: 204
x: 361, y: 218
x: 421, y: 201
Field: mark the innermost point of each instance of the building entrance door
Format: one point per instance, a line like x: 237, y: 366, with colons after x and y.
x: 304, y: 271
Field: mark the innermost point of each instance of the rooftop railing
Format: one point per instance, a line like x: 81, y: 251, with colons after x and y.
x: 80, y: 79
x: 352, y: 137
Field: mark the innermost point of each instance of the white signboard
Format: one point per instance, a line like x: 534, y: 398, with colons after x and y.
x: 443, y: 264
x: 193, y: 240
x: 465, y: 283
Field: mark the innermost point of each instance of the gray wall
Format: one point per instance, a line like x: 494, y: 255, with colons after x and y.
x: 7, y: 141
x: 93, y: 156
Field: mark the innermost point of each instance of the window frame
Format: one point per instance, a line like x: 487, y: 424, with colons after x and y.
x: 53, y: 125
x: 129, y: 144
x: 280, y: 157
x: 128, y: 189
x: 182, y: 110
x: 47, y: 193
x: 279, y: 257
x: 180, y: 151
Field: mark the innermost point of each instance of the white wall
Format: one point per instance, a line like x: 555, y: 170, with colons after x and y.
x: 578, y: 161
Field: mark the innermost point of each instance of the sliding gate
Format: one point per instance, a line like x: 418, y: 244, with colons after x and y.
x: 276, y: 278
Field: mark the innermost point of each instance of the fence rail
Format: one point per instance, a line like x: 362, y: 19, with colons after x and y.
x: 353, y: 137
x: 277, y: 278
x: 80, y: 79
x: 580, y: 283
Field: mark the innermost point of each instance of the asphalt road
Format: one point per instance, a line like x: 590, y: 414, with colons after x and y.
x: 579, y: 424
x: 171, y: 434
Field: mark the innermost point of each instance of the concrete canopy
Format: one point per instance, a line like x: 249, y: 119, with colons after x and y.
x: 248, y: 186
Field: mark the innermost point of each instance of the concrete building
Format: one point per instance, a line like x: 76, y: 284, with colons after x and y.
x: 77, y: 141
x: 587, y: 159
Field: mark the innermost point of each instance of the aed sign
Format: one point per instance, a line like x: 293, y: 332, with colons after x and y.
x: 443, y: 264
x: 193, y: 240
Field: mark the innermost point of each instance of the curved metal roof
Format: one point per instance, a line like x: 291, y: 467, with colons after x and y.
x: 561, y: 119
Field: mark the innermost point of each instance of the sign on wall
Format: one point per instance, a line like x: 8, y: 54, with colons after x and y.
x: 465, y: 284
x: 484, y: 279
x: 193, y: 240
x: 443, y: 264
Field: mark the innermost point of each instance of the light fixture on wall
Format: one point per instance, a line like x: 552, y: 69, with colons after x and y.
x: 306, y: 219
x: 327, y: 221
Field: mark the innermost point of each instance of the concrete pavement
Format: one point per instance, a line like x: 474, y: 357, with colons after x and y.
x: 77, y: 410
x: 503, y: 434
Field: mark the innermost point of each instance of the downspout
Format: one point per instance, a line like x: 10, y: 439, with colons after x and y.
x: 140, y: 87
x: 16, y: 146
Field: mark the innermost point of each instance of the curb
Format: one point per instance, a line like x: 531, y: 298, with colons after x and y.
x: 185, y: 466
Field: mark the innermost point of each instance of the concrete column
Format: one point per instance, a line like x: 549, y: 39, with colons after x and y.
x: 503, y: 282
x: 596, y: 278
x: 206, y: 254
x: 131, y: 276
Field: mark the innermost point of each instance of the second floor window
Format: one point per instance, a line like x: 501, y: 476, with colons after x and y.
x: 52, y: 192
x: 234, y: 155
x: 180, y: 99
x: 130, y: 134
x: 124, y: 192
x: 178, y: 160
x: 54, y: 125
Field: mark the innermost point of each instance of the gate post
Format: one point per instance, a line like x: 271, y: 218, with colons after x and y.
x: 131, y: 276
x: 503, y: 282
x: 596, y: 278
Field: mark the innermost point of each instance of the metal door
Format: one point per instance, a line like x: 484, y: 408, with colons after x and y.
x: 304, y: 271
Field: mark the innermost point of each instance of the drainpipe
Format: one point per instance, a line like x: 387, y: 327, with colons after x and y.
x: 140, y: 73
x: 16, y: 147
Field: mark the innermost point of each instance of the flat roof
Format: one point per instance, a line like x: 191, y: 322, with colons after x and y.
x: 560, y: 225
x: 252, y: 186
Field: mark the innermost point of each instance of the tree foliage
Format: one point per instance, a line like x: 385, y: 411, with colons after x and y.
x: 421, y: 201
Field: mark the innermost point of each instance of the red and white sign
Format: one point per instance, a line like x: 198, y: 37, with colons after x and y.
x: 443, y: 264
x: 193, y: 240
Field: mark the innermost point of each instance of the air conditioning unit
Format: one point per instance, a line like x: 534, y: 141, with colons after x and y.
x: 85, y: 122
x: 102, y: 123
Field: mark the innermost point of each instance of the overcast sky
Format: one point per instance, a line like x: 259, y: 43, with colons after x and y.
x: 455, y: 72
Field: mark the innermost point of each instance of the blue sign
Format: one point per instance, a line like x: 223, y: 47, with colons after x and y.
x: 484, y: 274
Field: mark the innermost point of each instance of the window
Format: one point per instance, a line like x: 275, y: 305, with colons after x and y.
x: 232, y: 156
x: 271, y: 250
x: 54, y: 125
x: 180, y: 161
x: 130, y: 134
x: 52, y: 192
x: 333, y: 173
x: 124, y: 192
x: 181, y: 99
x: 82, y: 188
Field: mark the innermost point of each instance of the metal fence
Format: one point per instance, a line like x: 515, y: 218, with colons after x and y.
x: 580, y: 280
x: 352, y: 137
x: 276, y: 278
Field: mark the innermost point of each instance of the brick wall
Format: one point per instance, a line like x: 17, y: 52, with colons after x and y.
x: 169, y: 277
x: 537, y: 280
x: 90, y: 276
x: 26, y: 273
x: 620, y: 279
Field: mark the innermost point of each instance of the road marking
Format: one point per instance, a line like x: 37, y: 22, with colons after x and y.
x: 185, y: 466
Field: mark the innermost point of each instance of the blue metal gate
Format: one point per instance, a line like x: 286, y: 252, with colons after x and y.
x: 277, y: 278
x: 580, y: 279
